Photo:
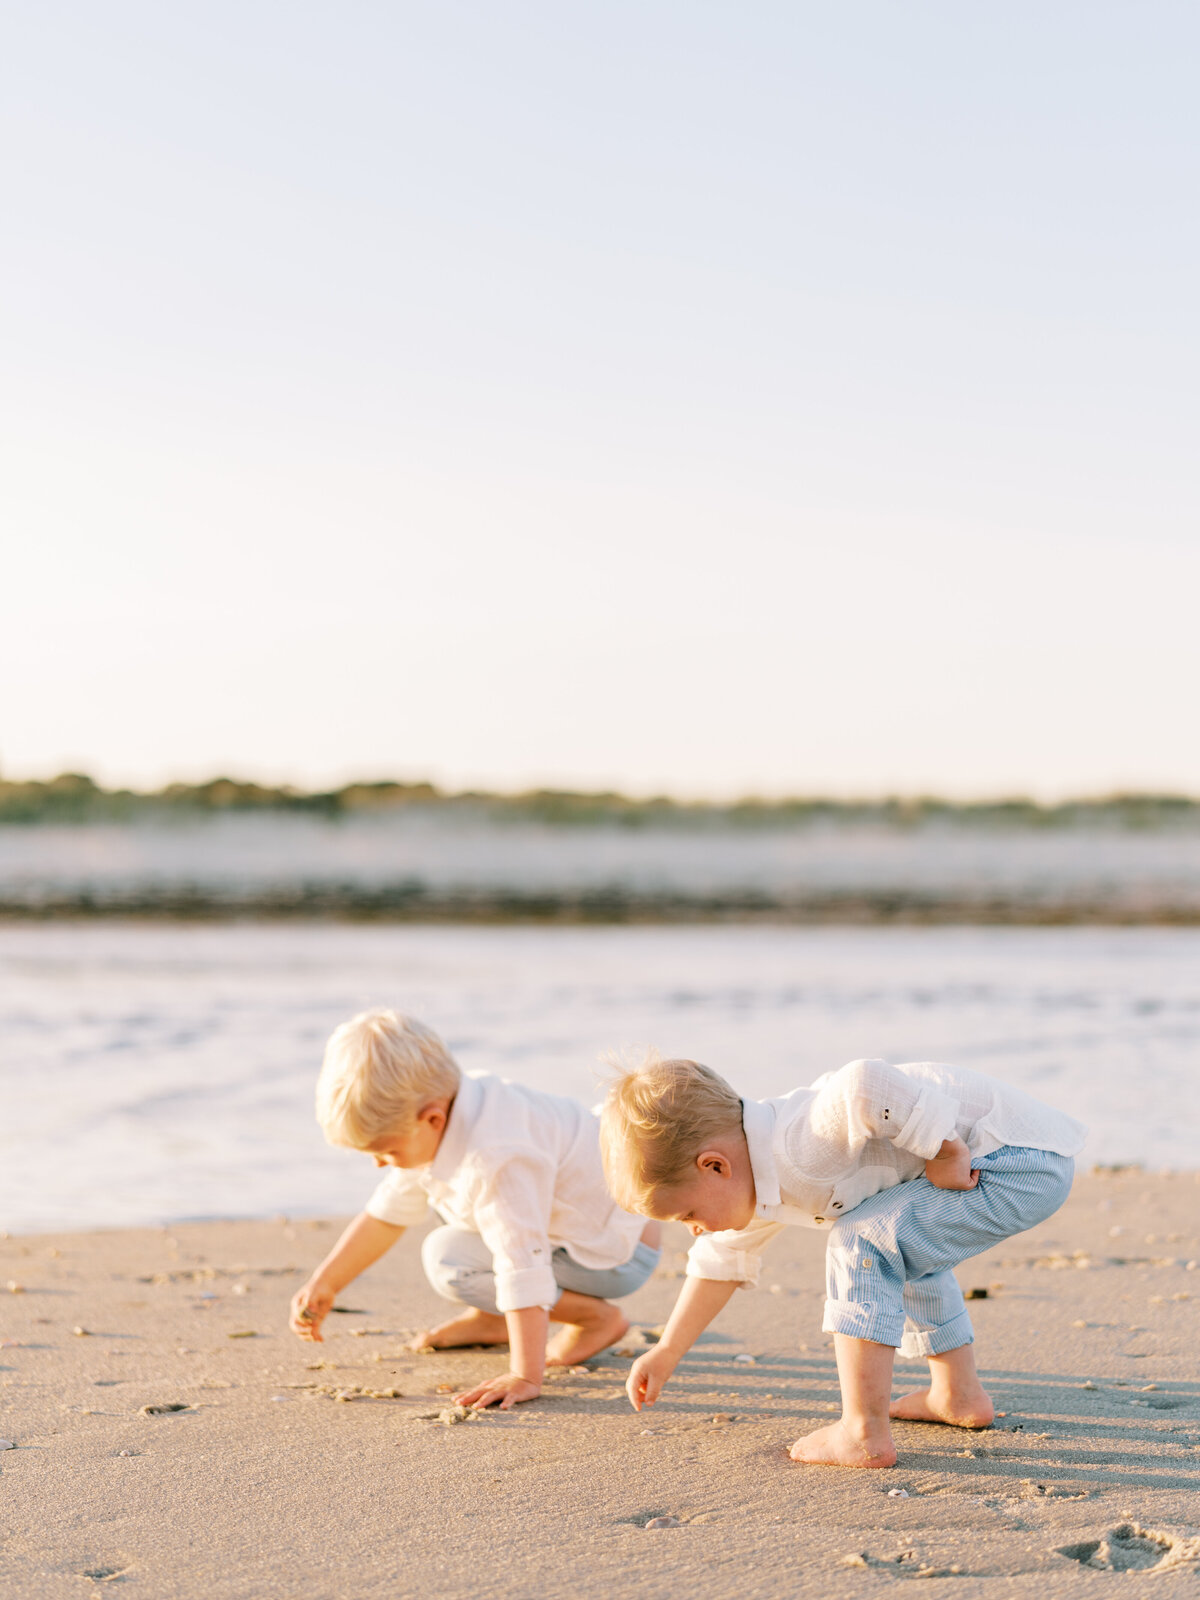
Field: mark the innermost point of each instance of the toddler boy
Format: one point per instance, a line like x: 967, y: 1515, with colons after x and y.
x: 530, y: 1234
x: 911, y: 1169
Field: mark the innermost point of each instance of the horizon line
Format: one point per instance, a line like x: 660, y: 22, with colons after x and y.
x: 224, y: 791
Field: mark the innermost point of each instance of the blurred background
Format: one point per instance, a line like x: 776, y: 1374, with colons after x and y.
x: 607, y: 525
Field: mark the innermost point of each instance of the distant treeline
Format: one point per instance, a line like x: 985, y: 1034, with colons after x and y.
x: 74, y: 797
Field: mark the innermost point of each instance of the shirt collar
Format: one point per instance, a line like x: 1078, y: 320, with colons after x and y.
x: 758, y: 1124
x: 468, y: 1102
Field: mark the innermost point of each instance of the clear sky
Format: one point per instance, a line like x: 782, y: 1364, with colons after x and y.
x: 655, y: 393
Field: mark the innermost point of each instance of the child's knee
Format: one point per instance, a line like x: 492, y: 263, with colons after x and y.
x: 453, y: 1273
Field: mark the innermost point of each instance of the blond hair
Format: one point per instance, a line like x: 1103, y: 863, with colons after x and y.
x: 380, y: 1068
x: 657, y: 1118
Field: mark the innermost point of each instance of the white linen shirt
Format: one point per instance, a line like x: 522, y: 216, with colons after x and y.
x: 522, y: 1169
x: 818, y: 1152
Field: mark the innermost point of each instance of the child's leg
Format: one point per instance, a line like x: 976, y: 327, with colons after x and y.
x: 589, y: 1325
x: 955, y: 1394
x: 459, y: 1266
x: 939, y: 1329
x: 862, y: 1436
x: 914, y: 1231
x: 590, y: 1322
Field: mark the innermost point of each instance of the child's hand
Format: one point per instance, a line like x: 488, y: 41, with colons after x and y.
x: 647, y: 1376
x: 951, y: 1167
x: 505, y: 1391
x: 310, y: 1306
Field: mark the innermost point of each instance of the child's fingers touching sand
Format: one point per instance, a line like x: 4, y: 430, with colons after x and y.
x: 647, y: 1376
x: 505, y: 1392
x: 310, y: 1307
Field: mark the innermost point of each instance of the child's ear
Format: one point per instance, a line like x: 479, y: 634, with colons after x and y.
x: 435, y: 1115
x: 713, y: 1161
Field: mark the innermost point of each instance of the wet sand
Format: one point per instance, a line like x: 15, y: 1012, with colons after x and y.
x: 266, y: 1483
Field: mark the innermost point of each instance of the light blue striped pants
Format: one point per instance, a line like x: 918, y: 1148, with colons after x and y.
x: 889, y: 1266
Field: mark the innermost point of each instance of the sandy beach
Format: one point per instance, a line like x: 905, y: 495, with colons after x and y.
x: 277, y: 1468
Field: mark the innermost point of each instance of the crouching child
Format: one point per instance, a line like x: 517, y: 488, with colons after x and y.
x: 529, y: 1233
x: 909, y: 1170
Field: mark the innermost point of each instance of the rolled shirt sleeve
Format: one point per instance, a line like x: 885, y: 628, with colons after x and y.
x: 399, y: 1199
x: 513, y: 1195
x: 872, y: 1100
x: 733, y: 1255
x: 932, y: 1121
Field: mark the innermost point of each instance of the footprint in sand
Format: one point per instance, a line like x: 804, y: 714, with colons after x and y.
x: 1132, y: 1548
x: 105, y: 1571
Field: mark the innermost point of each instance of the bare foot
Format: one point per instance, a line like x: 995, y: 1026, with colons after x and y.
x: 972, y: 1409
x: 472, y: 1327
x: 576, y: 1341
x: 838, y: 1446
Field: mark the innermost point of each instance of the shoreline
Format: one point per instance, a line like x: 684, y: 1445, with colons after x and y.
x: 265, y: 1483
x: 406, y: 905
x: 26, y: 1235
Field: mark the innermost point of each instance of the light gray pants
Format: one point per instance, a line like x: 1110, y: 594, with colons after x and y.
x: 459, y: 1266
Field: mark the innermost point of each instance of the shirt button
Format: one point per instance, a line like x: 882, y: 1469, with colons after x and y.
x: 837, y: 1205
x: 818, y: 1219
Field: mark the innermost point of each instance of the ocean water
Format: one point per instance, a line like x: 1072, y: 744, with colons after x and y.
x: 154, y: 1073
x: 231, y: 858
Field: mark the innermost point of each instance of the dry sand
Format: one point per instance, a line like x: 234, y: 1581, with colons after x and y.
x: 265, y: 1484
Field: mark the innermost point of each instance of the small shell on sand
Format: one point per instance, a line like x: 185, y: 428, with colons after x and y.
x: 81, y: 1332
x: 580, y: 1372
x: 747, y: 1360
x: 450, y: 1416
x: 636, y: 1341
x: 164, y: 1409
x: 897, y: 1494
x: 14, y: 1287
x: 7, y: 1444
x: 662, y: 1522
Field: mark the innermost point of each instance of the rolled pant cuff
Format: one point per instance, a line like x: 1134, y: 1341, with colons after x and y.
x: 859, y: 1319
x: 951, y: 1335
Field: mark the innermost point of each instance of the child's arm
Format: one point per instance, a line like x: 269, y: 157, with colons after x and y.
x: 512, y: 1205
x: 527, y: 1329
x: 364, y: 1241
x: 951, y: 1167
x: 698, y: 1304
